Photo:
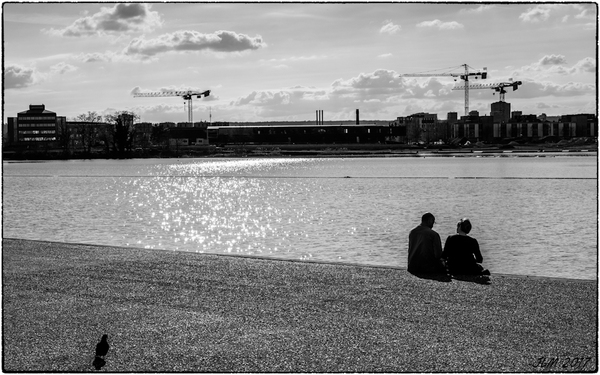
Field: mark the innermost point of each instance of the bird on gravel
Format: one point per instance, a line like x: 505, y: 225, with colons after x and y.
x: 101, y: 350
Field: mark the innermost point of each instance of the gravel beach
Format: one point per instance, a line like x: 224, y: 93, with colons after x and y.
x: 167, y: 311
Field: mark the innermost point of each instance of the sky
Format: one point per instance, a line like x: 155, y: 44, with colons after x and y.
x: 285, y: 61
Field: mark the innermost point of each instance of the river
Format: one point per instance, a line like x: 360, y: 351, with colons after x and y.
x: 531, y: 215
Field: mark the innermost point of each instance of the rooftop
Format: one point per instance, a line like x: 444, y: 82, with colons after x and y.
x: 36, y: 109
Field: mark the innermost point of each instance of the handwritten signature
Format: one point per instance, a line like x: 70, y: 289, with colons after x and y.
x: 562, y: 363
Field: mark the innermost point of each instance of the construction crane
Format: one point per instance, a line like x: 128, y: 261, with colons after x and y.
x: 464, y: 76
x: 498, y: 87
x: 186, y: 95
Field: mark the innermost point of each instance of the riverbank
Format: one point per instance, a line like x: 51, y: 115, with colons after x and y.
x: 317, y: 150
x: 170, y: 311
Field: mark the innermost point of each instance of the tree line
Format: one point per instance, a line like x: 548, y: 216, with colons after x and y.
x: 115, y: 132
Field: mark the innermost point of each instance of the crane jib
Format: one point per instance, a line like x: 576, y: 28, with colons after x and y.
x: 172, y: 93
x: 186, y: 95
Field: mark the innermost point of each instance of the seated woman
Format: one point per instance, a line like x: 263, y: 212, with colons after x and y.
x: 461, y: 252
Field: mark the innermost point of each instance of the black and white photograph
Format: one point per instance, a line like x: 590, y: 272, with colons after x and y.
x: 300, y: 187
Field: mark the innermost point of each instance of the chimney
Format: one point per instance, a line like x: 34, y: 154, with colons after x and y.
x: 319, y: 117
x: 357, y: 118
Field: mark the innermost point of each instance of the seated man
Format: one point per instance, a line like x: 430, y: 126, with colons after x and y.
x: 425, y: 249
x: 462, y: 253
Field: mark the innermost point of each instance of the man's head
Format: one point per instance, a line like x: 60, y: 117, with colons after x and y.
x: 428, y: 220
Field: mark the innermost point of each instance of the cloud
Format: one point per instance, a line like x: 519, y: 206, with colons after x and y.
x: 16, y: 76
x: 182, y: 41
x: 554, y: 64
x: 62, y: 68
x: 390, y: 28
x: 97, y: 57
x: 541, y: 105
x: 122, y: 18
x: 535, y: 89
x: 276, y: 103
x: 480, y: 9
x: 283, y: 61
x: 385, y: 55
x: 553, y: 60
x: 275, y: 98
x: 543, y: 12
x: 110, y: 56
x: 586, y: 13
x: 378, y: 82
x: 538, y: 13
x: 378, y: 91
x: 586, y: 65
x: 452, y: 25
x: 384, y: 84
x: 158, y: 109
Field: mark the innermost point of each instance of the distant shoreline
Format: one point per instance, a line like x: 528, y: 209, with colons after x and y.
x: 324, y: 150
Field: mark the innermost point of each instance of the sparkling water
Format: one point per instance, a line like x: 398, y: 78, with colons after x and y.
x: 531, y: 216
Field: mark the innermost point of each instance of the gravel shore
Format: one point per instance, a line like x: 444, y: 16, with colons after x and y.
x: 169, y: 311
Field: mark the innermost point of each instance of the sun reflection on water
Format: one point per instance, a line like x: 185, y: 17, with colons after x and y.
x: 193, y: 207
x: 234, y: 167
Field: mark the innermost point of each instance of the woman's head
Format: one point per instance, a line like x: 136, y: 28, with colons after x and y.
x: 464, y: 225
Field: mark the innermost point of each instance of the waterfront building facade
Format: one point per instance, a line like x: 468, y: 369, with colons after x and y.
x: 301, y: 134
x: 474, y: 128
x: 478, y: 128
x: 35, y: 127
x: 84, y: 135
x: 39, y: 127
x: 187, y: 136
x: 423, y: 128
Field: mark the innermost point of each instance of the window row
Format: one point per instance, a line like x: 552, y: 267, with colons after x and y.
x: 37, y: 132
x: 34, y: 125
x: 53, y: 118
x: 38, y: 139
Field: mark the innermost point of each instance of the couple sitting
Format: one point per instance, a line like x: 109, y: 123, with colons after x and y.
x: 460, y: 256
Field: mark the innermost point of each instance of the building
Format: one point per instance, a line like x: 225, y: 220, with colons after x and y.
x: 452, y: 118
x: 301, y: 134
x: 187, y: 136
x: 424, y: 128
x: 84, y: 135
x: 585, y: 124
x: 36, y: 127
x: 143, y: 134
x: 500, y: 111
x: 474, y: 128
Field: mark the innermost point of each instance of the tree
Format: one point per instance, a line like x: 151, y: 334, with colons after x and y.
x: 88, y: 132
x: 122, y: 129
x: 160, y: 134
x: 64, y: 137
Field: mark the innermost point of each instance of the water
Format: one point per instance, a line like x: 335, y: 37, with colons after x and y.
x: 531, y: 216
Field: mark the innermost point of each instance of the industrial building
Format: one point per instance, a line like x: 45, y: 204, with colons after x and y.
x: 302, y: 134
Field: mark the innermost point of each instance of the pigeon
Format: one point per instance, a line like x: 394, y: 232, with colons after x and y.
x: 101, y: 350
x: 102, y: 347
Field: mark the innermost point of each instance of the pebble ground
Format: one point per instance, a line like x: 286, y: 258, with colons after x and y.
x: 169, y: 311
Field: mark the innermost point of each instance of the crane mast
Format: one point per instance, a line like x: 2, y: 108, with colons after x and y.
x: 464, y: 76
x: 186, y: 95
